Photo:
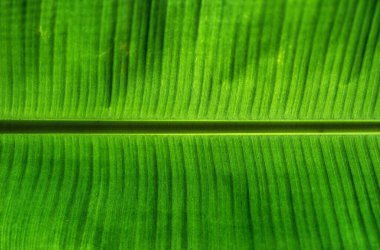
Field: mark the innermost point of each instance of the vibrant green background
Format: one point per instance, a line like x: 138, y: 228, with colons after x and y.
x: 200, y: 192
x: 190, y: 60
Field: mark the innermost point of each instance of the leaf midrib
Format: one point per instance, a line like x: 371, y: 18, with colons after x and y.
x: 187, y: 127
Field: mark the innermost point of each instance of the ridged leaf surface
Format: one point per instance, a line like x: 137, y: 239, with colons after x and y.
x: 200, y: 192
x: 170, y: 59
x: 201, y: 144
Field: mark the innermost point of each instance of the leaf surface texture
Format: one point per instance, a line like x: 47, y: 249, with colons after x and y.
x: 198, y: 192
x: 170, y: 59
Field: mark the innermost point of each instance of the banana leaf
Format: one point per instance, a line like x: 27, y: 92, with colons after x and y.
x: 196, y: 192
x: 190, y: 59
x: 189, y: 124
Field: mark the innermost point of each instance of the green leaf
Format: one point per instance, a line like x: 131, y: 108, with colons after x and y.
x: 170, y: 59
x: 296, y: 82
x: 200, y: 192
